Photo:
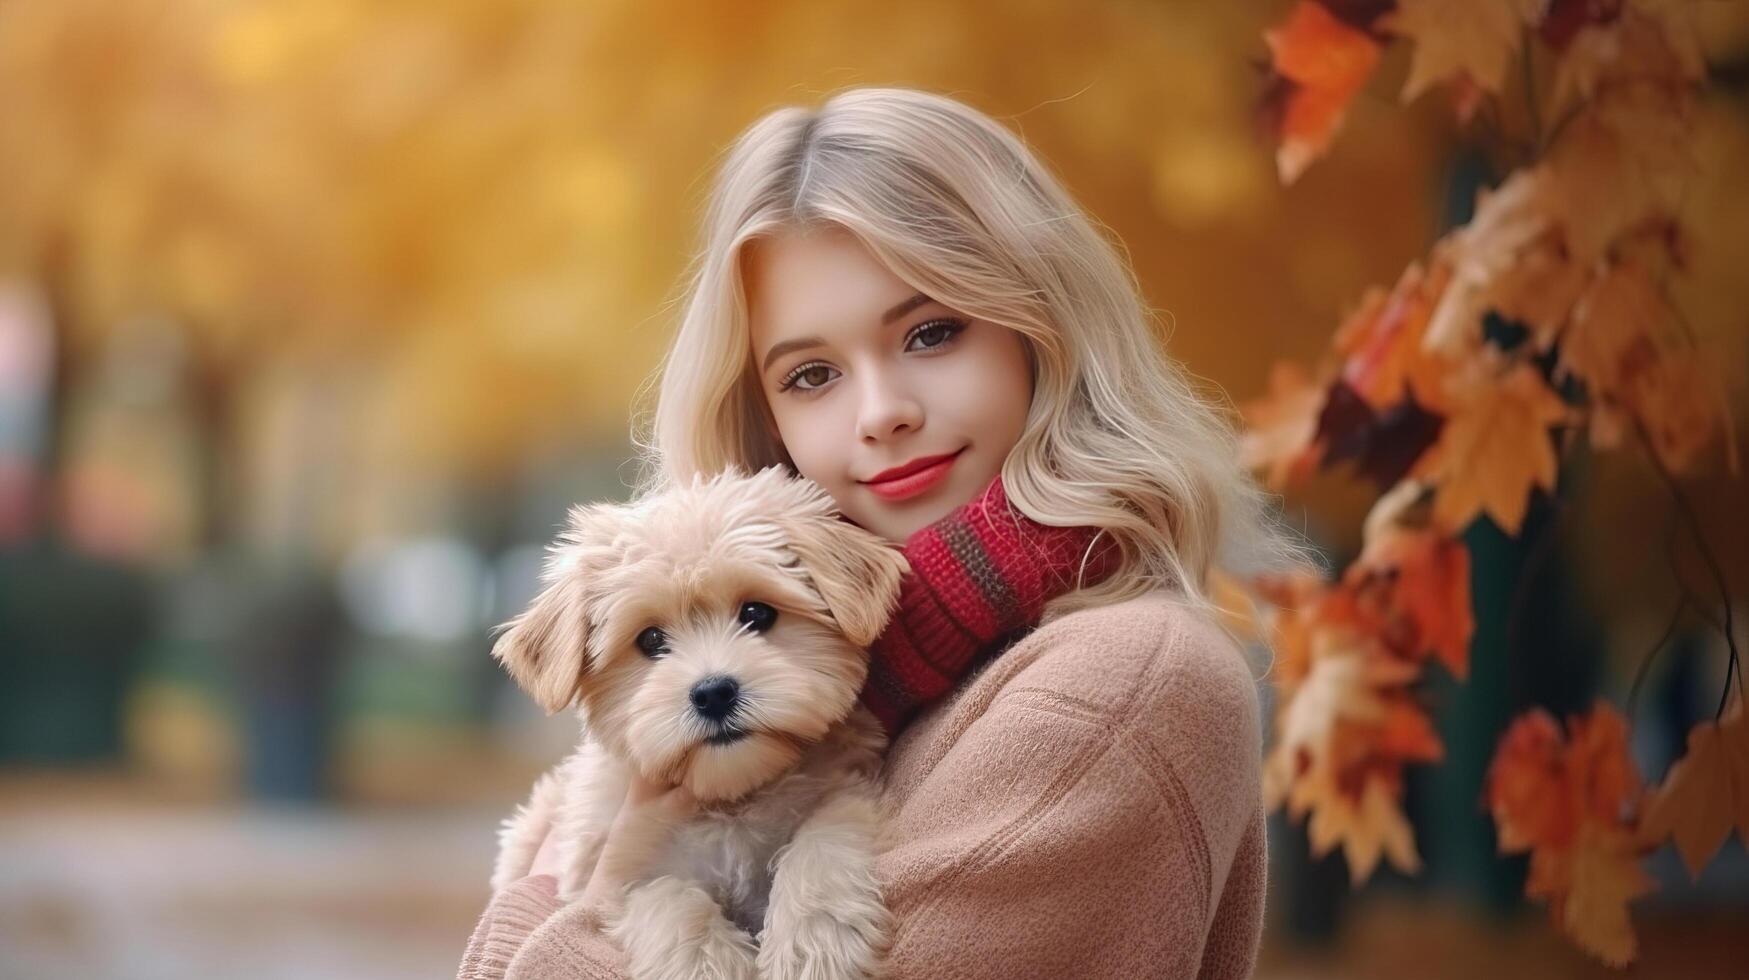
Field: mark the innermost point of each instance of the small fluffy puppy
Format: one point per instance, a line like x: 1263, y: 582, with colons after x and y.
x: 713, y: 637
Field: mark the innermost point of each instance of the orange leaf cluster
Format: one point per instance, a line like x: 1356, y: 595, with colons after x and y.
x: 1548, y: 313
x: 1492, y: 448
x: 1573, y: 803
x: 1574, y: 250
x: 1347, y: 723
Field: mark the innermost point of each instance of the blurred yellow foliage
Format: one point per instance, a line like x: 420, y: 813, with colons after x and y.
x: 467, y: 219
x: 492, y: 201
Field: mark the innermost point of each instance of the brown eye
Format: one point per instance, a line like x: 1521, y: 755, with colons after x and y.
x: 758, y: 616
x: 817, y: 375
x: 652, y: 642
x: 936, y: 333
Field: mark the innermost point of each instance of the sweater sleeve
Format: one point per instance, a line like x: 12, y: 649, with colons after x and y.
x: 526, y: 933
x: 514, y: 912
x: 1065, y: 837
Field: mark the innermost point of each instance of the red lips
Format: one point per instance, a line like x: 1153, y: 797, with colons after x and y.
x: 913, y: 478
x: 906, y: 469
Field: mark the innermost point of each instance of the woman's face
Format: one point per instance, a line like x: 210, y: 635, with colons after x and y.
x: 864, y: 375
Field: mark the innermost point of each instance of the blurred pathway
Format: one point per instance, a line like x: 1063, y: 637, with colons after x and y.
x: 268, y: 893
x: 102, y: 888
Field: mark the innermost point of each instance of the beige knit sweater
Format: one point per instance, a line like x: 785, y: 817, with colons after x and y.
x: 1088, y: 805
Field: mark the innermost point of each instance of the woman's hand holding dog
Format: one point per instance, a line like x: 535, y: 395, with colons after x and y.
x: 651, y: 809
x: 546, y: 857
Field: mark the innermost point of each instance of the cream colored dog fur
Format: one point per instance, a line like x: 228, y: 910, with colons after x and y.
x: 713, y: 636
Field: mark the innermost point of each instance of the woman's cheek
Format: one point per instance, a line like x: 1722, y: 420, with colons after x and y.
x: 816, y: 448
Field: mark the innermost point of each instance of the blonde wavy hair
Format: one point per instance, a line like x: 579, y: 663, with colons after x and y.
x: 957, y: 206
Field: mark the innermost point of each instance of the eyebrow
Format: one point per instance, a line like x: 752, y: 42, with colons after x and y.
x: 802, y: 343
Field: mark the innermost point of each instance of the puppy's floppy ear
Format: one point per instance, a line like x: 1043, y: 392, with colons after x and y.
x: 546, y: 647
x: 856, y: 573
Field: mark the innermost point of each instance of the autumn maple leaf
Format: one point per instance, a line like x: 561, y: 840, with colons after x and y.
x: 1344, y: 683
x: 1605, y: 779
x: 1477, y: 38
x: 1541, y: 787
x: 1280, y: 425
x: 1346, y: 724
x: 1327, y: 62
x: 1368, y: 825
x: 1642, y: 42
x: 1381, y: 445
x: 1508, y: 220
x: 1415, y: 586
x: 1614, y: 323
x: 1589, y: 886
x: 1623, y: 344
x: 1380, y: 341
x: 1706, y: 792
x: 1407, y: 734
x: 1572, y: 803
x: 1496, y: 445
x: 1294, y: 605
x: 1527, y: 786
x: 1540, y: 289
x: 1622, y: 162
x: 1627, y: 87
x: 1342, y: 736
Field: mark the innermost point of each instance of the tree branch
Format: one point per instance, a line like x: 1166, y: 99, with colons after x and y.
x: 1733, y: 669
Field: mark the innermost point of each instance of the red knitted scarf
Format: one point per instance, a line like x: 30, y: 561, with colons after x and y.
x: 979, y: 580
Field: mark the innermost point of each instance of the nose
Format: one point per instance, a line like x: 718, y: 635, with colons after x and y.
x: 715, y: 697
x: 886, y: 407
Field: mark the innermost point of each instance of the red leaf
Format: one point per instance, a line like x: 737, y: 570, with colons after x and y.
x: 1328, y: 62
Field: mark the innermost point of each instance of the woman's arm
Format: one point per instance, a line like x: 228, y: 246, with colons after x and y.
x: 1102, y: 818
x: 513, y: 914
x: 1057, y: 840
x: 523, y: 906
x: 1119, y: 891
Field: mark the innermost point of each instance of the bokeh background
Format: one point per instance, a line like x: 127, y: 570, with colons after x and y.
x: 315, y: 315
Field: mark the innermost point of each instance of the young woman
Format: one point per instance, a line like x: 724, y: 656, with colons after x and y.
x: 895, y: 299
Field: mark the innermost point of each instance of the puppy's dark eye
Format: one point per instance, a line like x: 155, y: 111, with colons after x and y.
x: 758, y: 616
x: 652, y: 642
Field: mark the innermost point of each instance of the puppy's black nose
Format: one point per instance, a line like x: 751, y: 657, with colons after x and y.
x: 715, y: 697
